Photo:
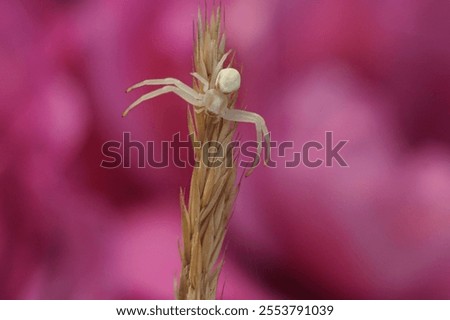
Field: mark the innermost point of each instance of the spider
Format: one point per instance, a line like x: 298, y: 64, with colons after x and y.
x: 214, y: 101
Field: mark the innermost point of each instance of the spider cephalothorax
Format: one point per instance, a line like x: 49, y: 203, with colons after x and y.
x: 214, y: 100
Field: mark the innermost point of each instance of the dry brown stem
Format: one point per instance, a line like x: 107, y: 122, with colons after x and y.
x: 213, y: 190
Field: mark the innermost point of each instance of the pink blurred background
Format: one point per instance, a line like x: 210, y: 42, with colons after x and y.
x: 376, y: 73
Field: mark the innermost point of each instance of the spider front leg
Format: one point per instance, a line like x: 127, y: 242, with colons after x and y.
x: 186, y: 96
x: 219, y: 67
x: 166, y: 81
x: 202, y: 81
x: 261, y: 130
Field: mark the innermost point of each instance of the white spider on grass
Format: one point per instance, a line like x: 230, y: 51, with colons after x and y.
x: 214, y: 101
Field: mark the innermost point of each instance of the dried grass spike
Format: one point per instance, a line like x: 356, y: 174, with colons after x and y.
x: 213, y: 190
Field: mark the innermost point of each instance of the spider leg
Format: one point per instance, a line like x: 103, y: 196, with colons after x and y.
x: 202, y: 81
x: 261, y: 130
x: 167, y: 81
x: 182, y: 94
x: 219, y: 67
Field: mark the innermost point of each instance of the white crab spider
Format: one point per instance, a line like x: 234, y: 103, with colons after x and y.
x: 213, y: 100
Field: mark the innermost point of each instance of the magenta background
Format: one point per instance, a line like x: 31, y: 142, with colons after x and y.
x: 374, y: 72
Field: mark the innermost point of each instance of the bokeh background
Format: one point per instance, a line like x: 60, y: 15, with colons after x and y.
x: 376, y: 73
